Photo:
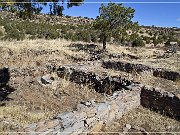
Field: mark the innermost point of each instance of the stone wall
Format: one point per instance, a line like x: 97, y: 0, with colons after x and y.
x: 153, y: 98
x: 89, y: 117
x: 102, y: 84
x: 161, y: 101
x: 138, y: 68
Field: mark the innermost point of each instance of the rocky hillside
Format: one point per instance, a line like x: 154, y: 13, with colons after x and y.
x: 45, y: 18
x: 79, y: 29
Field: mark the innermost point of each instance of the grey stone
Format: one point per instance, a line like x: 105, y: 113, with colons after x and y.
x: 73, y: 128
x: 81, y: 107
x: 65, y: 115
x: 128, y: 126
x: 102, y: 111
x: 88, y: 103
x: 47, y: 79
x: 80, y: 116
x: 31, y: 126
x: 125, y: 129
x: 67, y: 119
x: 90, y: 120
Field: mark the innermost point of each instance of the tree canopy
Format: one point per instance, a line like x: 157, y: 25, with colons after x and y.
x: 114, y: 20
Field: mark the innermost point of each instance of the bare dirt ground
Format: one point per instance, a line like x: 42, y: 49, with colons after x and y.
x: 31, y: 101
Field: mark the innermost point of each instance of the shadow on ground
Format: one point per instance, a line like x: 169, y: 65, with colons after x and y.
x: 5, y: 90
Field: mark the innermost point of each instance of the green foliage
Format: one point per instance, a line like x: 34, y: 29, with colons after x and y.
x: 114, y: 20
x: 133, y: 37
x: 138, y: 42
x: 21, y: 29
x: 150, y: 33
x: 74, y: 3
x: 14, y: 34
x: 167, y: 43
x: 1, y: 33
x: 31, y: 7
x: 147, y: 39
x: 141, y: 32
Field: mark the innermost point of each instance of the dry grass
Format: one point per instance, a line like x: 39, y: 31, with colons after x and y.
x: 43, y: 103
x: 148, y: 57
x: 33, y: 102
x: 13, y: 116
x: 142, y: 117
x: 20, y: 53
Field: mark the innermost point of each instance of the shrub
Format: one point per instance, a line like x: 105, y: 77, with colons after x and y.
x: 141, y: 32
x: 138, y: 43
x: 14, y: 34
x: 1, y: 33
x: 32, y: 37
x: 52, y: 34
x: 94, y: 37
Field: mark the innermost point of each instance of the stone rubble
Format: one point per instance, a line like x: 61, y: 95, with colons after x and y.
x: 90, y: 116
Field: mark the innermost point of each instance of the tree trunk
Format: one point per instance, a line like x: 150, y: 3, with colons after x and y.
x: 104, y: 42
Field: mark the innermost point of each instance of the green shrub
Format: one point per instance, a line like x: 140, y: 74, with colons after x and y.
x: 1, y: 33
x: 14, y: 34
x: 138, y: 43
x: 32, y: 37
x: 52, y: 34
x: 148, y: 41
x: 19, y: 29
x: 94, y: 37
x: 141, y: 32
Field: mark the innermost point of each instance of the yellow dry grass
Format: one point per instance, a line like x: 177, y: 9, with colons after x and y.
x: 144, y: 118
x: 11, y: 116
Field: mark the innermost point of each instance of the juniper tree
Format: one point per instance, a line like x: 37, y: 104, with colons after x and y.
x: 114, y: 19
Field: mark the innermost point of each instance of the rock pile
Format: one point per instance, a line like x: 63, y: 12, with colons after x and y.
x: 89, y: 117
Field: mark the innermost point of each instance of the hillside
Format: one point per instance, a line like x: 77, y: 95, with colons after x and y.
x: 78, y: 29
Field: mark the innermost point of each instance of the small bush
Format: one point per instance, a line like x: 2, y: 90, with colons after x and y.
x: 141, y: 32
x: 32, y: 37
x: 52, y: 34
x: 138, y: 43
x: 14, y: 34
x: 1, y: 33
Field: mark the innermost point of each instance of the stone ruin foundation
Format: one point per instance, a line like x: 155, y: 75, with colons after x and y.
x: 122, y: 96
